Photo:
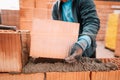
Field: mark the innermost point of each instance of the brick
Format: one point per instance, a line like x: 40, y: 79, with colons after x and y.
x: 27, y: 3
x: 41, y: 4
x: 41, y: 13
x: 103, y: 14
x: 36, y: 76
x: 52, y: 39
x: 26, y: 25
x: 68, y: 76
x: 10, y: 17
x: 111, y: 75
x: 26, y: 14
x: 10, y: 52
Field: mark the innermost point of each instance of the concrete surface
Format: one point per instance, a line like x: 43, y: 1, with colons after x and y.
x: 102, y: 52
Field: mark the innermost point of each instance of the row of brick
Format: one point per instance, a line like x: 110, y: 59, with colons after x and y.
x: 112, y: 75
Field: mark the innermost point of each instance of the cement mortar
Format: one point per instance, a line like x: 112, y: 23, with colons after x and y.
x: 84, y: 64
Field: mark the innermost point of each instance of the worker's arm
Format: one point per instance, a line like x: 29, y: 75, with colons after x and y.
x: 90, y: 23
x: 55, y: 11
x: 90, y: 20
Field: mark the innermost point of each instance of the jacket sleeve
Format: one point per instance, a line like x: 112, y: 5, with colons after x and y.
x: 55, y: 11
x: 89, y: 19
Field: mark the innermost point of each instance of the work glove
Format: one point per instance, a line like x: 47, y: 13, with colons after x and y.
x: 75, y: 53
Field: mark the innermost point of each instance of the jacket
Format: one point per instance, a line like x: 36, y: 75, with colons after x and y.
x: 84, y: 12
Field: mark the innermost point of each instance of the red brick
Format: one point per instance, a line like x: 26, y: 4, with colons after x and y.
x: 10, y: 52
x: 41, y: 13
x: 36, y: 76
x: 26, y: 25
x: 110, y: 75
x: 41, y: 4
x: 10, y: 17
x: 52, y: 39
x: 103, y: 14
x: 26, y: 14
x: 68, y: 76
x: 27, y: 3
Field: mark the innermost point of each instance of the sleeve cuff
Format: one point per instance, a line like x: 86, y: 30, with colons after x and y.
x: 84, y: 42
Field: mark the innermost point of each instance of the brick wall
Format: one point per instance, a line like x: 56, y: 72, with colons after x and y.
x: 103, y: 75
x: 104, y: 8
x: 10, y: 17
x: 42, y: 10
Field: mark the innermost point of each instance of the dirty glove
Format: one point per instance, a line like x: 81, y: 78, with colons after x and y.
x: 75, y: 53
x: 78, y: 48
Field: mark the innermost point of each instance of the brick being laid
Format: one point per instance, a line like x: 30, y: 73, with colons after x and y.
x: 52, y: 39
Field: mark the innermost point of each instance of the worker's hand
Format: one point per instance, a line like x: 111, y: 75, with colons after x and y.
x: 75, y: 53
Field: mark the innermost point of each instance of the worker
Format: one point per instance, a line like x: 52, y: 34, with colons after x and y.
x: 84, y: 13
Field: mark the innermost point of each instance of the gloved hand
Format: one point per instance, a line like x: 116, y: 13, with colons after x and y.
x: 76, y: 52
